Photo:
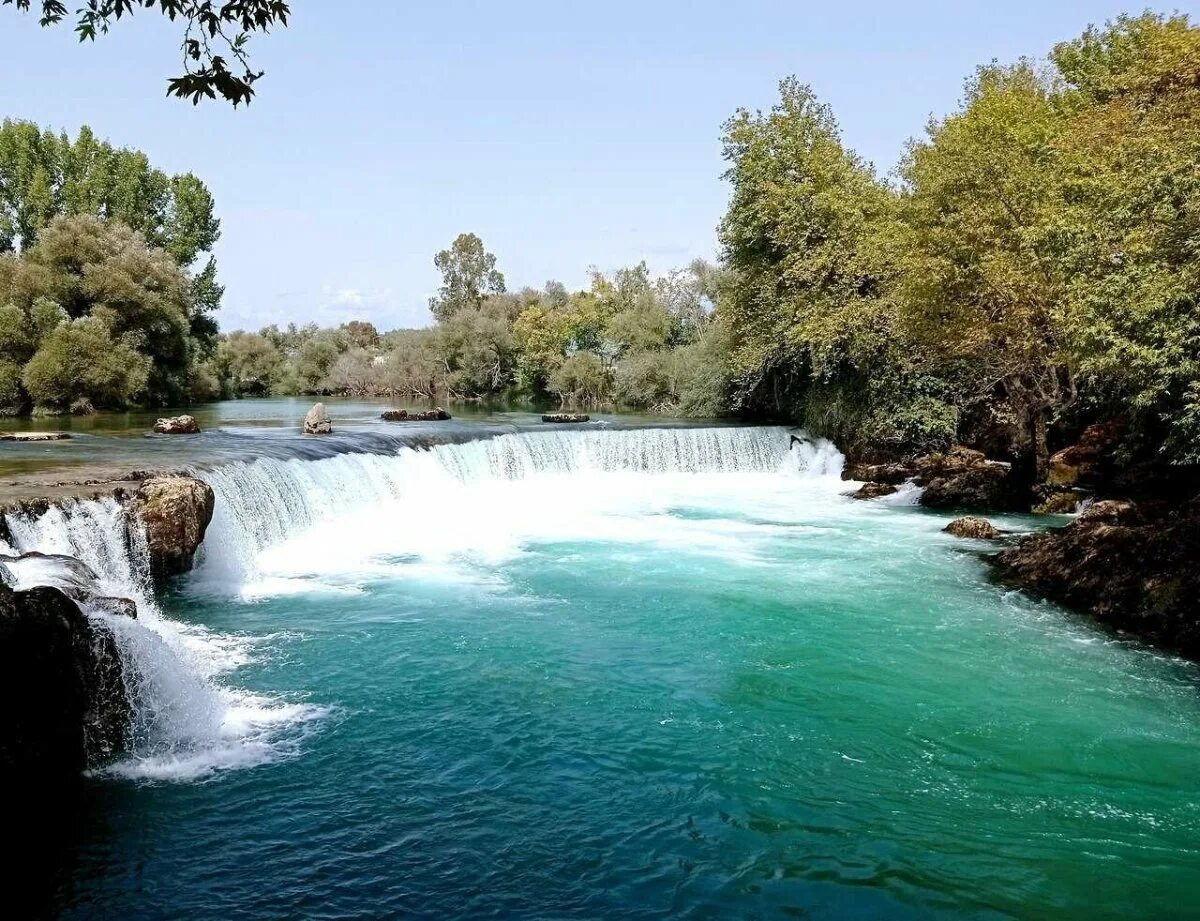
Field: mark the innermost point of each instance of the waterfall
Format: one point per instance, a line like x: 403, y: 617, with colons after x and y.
x: 187, y: 721
x: 266, y: 503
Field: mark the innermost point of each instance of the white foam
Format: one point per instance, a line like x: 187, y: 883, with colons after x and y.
x: 187, y: 722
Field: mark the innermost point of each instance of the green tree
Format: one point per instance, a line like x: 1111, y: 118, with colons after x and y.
x: 82, y: 359
x: 215, y: 36
x: 469, y: 275
x: 44, y: 175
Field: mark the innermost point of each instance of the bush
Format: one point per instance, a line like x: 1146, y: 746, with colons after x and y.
x: 81, y: 359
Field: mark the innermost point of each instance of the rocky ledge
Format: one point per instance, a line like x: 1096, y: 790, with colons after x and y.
x: 566, y: 417
x: 1135, y: 567
x: 959, y: 478
x: 61, y: 673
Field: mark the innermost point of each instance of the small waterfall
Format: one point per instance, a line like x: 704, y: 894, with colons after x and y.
x: 187, y: 723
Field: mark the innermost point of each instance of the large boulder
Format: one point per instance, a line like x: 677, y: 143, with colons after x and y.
x: 891, y: 474
x: 174, y: 512
x: 566, y: 417
x: 873, y: 491
x: 71, y: 576
x: 1133, y: 567
x: 965, y: 478
x: 317, y: 421
x: 177, y: 425
x: 1088, y: 461
x: 63, y: 682
x: 972, y: 527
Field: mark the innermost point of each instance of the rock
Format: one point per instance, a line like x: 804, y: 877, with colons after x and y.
x: 965, y: 478
x: 175, y: 512
x: 317, y: 422
x: 892, y: 474
x: 1058, y: 503
x: 1086, y: 462
x: 565, y: 417
x: 873, y: 491
x: 1133, y: 568
x: 110, y: 604
x: 34, y: 436
x: 61, y: 674
x: 972, y: 527
x: 177, y: 425
x: 404, y: 415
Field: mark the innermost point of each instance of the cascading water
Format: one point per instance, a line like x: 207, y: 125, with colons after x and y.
x: 476, y: 498
x: 187, y: 722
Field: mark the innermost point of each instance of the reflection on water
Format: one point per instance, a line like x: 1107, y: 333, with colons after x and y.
x: 107, y: 443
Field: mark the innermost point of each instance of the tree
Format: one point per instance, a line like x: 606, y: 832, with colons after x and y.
x: 82, y: 360
x: 215, y: 35
x: 469, y: 275
x: 44, y: 175
x: 249, y: 362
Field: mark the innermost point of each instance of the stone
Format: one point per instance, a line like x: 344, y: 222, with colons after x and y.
x: 63, y: 678
x: 965, y: 478
x: 34, y: 436
x: 1086, y: 462
x: 873, y: 491
x: 416, y: 415
x: 177, y: 425
x: 566, y: 417
x: 317, y: 421
x: 1060, y: 502
x: 175, y: 512
x: 892, y: 474
x: 972, y: 527
x: 1132, y: 568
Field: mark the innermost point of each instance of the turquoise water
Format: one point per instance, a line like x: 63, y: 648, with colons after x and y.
x: 627, y: 676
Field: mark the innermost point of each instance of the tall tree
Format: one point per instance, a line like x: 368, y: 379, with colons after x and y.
x: 469, y: 275
x: 215, y: 37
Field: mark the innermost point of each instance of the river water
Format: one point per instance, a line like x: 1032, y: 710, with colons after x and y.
x: 606, y: 673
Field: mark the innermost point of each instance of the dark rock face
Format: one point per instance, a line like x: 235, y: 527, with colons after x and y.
x: 963, y: 478
x: 973, y: 528
x: 1135, y: 568
x: 72, y: 577
x: 404, y: 415
x: 565, y: 417
x: 60, y: 673
x: 177, y: 425
x: 891, y: 474
x: 175, y: 512
x: 1087, y: 462
x: 317, y: 421
x: 873, y: 491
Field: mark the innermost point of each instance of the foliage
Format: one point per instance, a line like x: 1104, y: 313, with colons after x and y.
x: 469, y: 275
x: 215, y: 35
x: 44, y: 175
x: 83, y: 359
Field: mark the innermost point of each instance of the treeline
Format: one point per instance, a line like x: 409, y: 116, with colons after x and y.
x: 1034, y: 266
x: 629, y: 340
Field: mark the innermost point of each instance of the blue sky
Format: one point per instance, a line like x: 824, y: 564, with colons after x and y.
x: 565, y: 135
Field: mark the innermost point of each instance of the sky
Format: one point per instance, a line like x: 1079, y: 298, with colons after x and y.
x: 565, y: 135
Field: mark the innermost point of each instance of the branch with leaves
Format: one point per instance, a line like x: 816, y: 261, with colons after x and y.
x: 214, y: 45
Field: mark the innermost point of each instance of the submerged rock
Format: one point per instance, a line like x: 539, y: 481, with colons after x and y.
x: 317, y: 421
x: 972, y: 527
x: 175, y: 512
x: 66, y: 707
x: 34, y: 436
x: 416, y: 415
x: 891, y: 474
x: 566, y: 417
x: 873, y: 491
x: 1135, y: 568
x: 177, y: 425
x: 1058, y: 503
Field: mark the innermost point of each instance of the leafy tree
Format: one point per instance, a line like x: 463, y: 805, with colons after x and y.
x: 250, y: 362
x: 215, y: 36
x: 580, y: 380
x: 469, y: 275
x: 44, y: 175
x: 362, y: 334
x: 83, y: 360
x: 476, y: 346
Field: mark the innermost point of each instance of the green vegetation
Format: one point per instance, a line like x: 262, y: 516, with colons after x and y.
x: 1032, y: 267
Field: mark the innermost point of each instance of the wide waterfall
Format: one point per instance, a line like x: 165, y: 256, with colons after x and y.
x: 279, y: 525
